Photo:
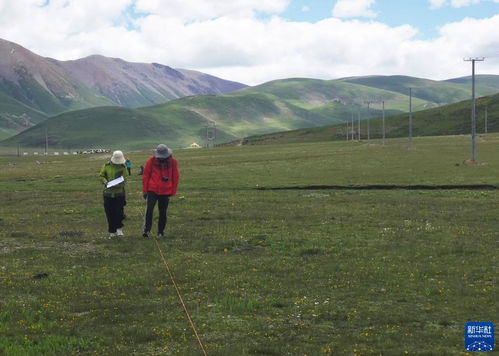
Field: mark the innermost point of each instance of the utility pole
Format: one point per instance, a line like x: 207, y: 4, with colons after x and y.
x: 473, y: 107
x: 358, y: 118
x: 368, y: 122
x: 211, y: 133
x: 410, y: 117
x: 46, y: 142
x: 353, y: 131
x: 485, y: 118
x: 368, y: 102
x: 383, y: 120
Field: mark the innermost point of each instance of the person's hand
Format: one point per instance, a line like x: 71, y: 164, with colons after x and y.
x: 144, y: 195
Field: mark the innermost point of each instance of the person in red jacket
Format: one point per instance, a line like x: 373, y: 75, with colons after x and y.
x: 159, y: 183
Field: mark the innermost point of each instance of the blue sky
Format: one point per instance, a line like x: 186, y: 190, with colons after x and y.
x: 254, y: 41
x: 413, y: 12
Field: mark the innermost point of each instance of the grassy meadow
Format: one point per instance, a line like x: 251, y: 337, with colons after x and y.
x: 262, y: 272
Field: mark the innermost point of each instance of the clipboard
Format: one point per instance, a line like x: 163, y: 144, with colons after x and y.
x: 115, y: 182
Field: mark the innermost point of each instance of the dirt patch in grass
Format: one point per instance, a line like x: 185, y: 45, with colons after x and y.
x: 68, y: 248
x: 386, y: 187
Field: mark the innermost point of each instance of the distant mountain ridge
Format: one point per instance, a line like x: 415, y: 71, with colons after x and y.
x: 439, y: 92
x: 118, y: 88
x: 276, y: 106
x: 142, y: 84
x: 52, y: 87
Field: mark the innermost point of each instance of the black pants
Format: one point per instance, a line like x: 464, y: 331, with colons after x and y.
x: 163, y: 201
x: 114, y: 208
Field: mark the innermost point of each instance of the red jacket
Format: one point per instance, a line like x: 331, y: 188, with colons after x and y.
x: 154, y: 171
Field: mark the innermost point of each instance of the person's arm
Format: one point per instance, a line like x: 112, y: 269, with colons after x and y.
x: 176, y: 176
x: 146, y: 175
x: 103, y: 175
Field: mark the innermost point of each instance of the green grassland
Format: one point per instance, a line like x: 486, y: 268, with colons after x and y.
x: 263, y: 272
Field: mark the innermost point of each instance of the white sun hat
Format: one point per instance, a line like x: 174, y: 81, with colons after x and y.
x: 118, y: 157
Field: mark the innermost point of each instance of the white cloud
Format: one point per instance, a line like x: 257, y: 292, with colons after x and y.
x: 354, y: 8
x: 234, y: 44
x: 463, y: 3
x: 437, y: 4
x: 208, y: 9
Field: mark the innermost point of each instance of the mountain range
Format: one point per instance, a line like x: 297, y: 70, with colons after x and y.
x: 33, y: 88
x: 276, y: 106
x: 120, y: 92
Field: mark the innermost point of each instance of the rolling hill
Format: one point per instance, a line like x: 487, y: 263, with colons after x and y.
x: 438, y: 92
x: 178, y: 123
x: 110, y: 127
x: 454, y: 119
x: 275, y: 106
x: 491, y: 81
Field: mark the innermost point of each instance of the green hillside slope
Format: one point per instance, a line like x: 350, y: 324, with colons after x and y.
x: 69, y: 96
x: 16, y: 116
x: 489, y: 80
x: 179, y: 123
x: 315, y: 94
x: 276, y: 106
x: 439, y: 92
x: 111, y: 127
x: 452, y: 119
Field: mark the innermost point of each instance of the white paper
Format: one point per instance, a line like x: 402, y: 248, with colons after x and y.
x: 114, y: 182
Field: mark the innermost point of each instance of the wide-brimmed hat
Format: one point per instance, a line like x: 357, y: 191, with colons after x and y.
x: 162, y: 151
x: 117, y: 157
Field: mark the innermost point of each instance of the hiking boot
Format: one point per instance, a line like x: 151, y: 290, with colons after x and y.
x: 145, y: 234
x: 119, y: 232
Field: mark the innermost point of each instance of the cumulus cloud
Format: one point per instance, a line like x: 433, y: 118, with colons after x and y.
x: 354, y: 8
x: 231, y: 42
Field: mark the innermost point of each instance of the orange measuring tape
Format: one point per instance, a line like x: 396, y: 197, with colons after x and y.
x: 181, y: 299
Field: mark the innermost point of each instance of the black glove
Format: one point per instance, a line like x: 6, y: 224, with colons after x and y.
x: 144, y: 195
